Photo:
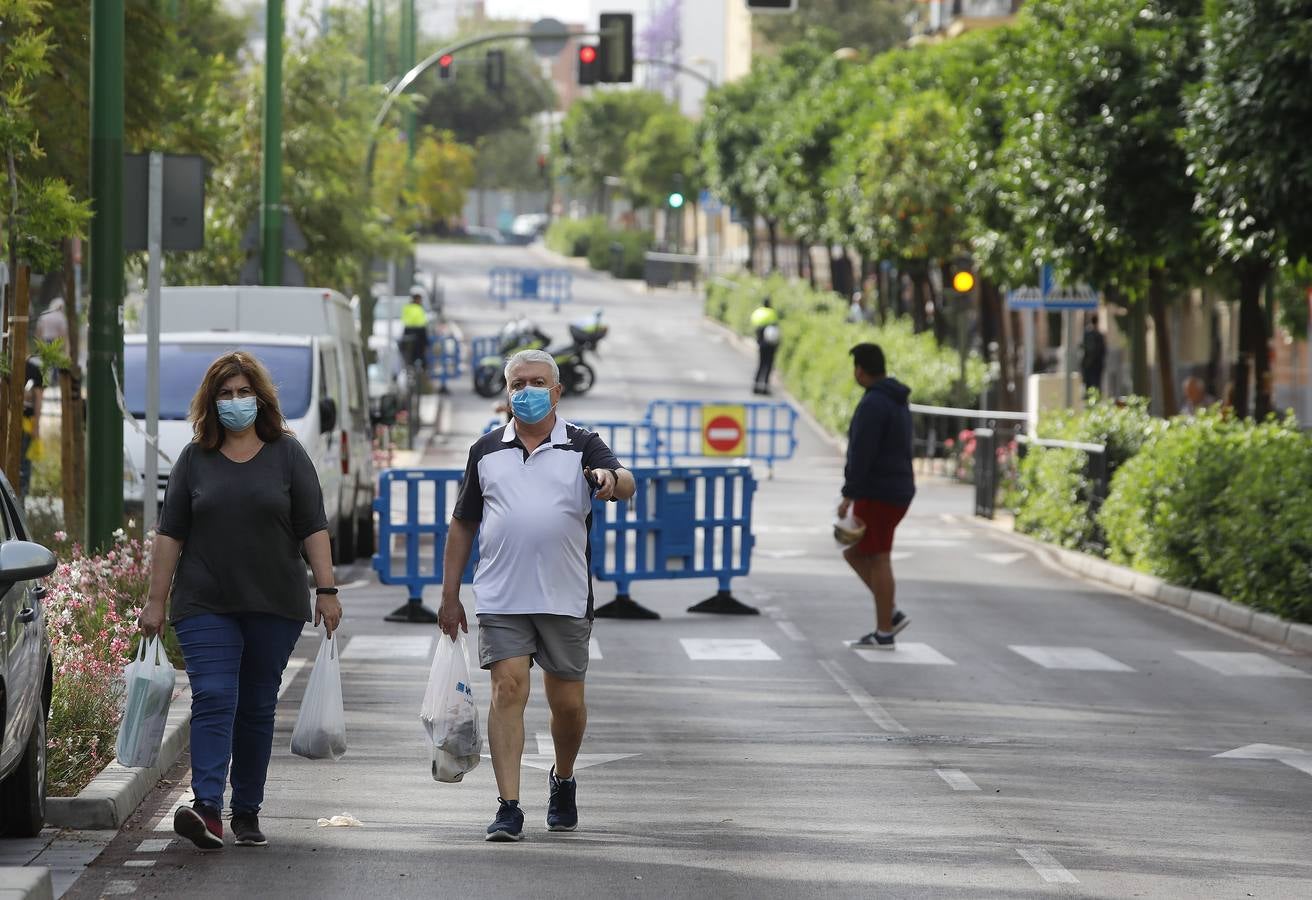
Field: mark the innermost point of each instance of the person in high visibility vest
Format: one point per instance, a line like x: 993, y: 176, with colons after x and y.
x: 414, y: 336
x: 765, y: 322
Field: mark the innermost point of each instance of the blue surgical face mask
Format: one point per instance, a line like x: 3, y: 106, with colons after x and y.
x: 531, y: 404
x: 237, y: 415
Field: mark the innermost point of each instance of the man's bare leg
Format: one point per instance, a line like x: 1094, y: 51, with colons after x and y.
x: 569, y: 719
x: 505, y: 722
x: 883, y: 587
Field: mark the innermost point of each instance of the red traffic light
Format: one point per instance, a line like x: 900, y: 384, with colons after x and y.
x: 587, y: 54
x: 444, y: 60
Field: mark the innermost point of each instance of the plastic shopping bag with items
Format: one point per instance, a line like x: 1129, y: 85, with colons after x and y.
x: 149, y: 691
x: 320, y: 731
x: 449, y: 713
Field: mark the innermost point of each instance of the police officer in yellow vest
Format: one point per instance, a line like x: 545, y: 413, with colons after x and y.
x: 414, y: 337
x: 765, y: 322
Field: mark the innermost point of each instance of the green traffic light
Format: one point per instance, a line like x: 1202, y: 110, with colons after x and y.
x: 676, y: 200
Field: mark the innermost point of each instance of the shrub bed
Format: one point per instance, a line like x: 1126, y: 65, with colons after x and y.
x: 815, y: 337
x: 1220, y: 505
x: 1054, y: 490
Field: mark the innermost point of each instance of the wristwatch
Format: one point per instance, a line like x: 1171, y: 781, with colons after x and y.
x: 325, y: 590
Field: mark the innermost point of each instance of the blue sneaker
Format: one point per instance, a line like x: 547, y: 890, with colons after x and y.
x: 900, y: 620
x: 875, y: 640
x: 562, y: 813
x: 509, y: 823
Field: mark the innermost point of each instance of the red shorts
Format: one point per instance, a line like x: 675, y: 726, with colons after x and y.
x: 881, y: 521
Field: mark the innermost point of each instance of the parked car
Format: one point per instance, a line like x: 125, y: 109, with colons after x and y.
x: 481, y: 234
x: 308, y: 339
x: 26, y: 673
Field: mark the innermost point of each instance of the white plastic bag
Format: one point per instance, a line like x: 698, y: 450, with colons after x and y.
x: 449, y: 713
x: 146, y: 698
x: 320, y: 731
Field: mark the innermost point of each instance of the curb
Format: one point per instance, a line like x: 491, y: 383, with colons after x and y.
x: 26, y: 883
x: 1212, y: 607
x: 114, y: 794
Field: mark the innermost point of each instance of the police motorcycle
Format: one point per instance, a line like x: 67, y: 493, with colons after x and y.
x: 576, y: 376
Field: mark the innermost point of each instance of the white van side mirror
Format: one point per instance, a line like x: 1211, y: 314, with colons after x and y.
x: 327, y: 415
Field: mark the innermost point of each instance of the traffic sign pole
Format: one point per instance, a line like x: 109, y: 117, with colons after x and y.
x: 271, y: 199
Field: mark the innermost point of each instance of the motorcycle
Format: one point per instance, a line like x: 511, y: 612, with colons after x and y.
x: 576, y: 376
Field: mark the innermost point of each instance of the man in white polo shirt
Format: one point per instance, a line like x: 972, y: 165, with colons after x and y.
x: 530, y: 487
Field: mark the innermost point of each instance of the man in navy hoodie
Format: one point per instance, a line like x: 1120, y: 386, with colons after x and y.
x: 878, y: 485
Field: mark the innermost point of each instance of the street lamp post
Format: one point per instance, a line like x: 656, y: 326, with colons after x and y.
x: 271, y: 179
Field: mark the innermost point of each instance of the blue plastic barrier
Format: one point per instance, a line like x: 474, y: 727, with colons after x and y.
x: 554, y: 286
x: 414, y: 515
x: 482, y: 347
x: 450, y: 361
x: 633, y: 442
x: 771, y: 429
x: 681, y: 523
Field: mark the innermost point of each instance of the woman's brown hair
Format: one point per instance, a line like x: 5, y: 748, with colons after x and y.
x: 269, y: 423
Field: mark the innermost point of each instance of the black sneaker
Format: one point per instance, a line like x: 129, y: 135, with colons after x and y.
x: 562, y: 811
x: 509, y: 823
x: 246, y: 830
x: 875, y: 640
x: 900, y: 620
x: 200, y: 824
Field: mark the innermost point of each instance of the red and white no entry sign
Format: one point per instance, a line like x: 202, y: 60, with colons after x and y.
x: 724, y: 430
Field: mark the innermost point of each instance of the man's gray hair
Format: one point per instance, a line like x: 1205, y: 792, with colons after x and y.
x: 533, y: 356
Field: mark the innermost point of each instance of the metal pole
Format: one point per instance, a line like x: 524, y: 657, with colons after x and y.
x: 104, y: 421
x: 408, y: 50
x: 155, y: 249
x: 271, y: 182
x: 371, y: 50
x: 1068, y: 355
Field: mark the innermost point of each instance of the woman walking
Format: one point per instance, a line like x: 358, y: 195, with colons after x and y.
x: 243, y: 499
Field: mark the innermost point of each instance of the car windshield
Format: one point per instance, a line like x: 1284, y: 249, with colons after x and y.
x: 182, y: 366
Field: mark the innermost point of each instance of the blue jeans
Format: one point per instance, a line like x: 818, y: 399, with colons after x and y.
x: 235, y: 664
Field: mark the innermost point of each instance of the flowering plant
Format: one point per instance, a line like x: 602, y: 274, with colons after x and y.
x: 92, y: 603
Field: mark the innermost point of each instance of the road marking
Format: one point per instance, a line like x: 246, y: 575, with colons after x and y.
x: 138, y: 863
x: 545, y: 758
x: 1084, y: 659
x: 388, y: 647
x: 898, y: 555
x: 781, y: 554
x: 1048, y: 868
x: 288, y: 676
x: 154, y: 845
x: 791, y: 630
x: 736, y: 649
x: 116, y: 888
x: 910, y: 653
x: 1290, y: 756
x: 927, y: 542
x: 868, y: 704
x: 594, y: 649
x: 1002, y: 559
x: 1244, y: 664
x: 957, y: 779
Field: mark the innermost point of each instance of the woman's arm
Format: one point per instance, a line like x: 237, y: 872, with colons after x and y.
x: 163, y: 563
x: 327, y: 608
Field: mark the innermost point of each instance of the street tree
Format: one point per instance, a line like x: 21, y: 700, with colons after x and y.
x: 416, y: 195
x: 593, y: 140
x: 660, y: 157
x: 870, y: 26
x: 1249, y: 127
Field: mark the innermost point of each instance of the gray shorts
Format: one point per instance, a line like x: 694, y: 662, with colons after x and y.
x: 559, y: 644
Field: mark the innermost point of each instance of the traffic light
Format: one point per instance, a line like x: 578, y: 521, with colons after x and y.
x: 963, y: 279
x: 615, y: 48
x: 587, y: 64
x: 495, y: 69
x: 675, y: 200
x: 444, y: 65
x: 772, y: 6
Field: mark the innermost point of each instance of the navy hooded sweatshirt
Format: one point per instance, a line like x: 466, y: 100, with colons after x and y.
x: 879, y: 446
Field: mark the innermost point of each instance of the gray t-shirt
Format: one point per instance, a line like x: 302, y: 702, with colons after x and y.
x: 241, y: 526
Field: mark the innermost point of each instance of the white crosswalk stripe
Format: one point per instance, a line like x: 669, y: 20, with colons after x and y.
x: 736, y: 649
x: 1084, y: 659
x: 388, y: 647
x: 594, y: 649
x: 907, y: 653
x: 1242, y: 664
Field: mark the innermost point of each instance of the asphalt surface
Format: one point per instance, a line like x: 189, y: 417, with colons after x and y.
x: 972, y: 761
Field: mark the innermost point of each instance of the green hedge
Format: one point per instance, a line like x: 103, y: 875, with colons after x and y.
x: 815, y: 337
x: 1054, y: 489
x: 1220, y: 505
x: 591, y: 238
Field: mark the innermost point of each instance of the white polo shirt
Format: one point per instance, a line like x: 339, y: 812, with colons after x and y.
x: 535, y: 511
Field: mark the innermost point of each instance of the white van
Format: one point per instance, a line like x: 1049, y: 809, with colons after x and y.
x: 309, y: 343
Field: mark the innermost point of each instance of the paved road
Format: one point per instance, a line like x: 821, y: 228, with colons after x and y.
x: 1032, y: 734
